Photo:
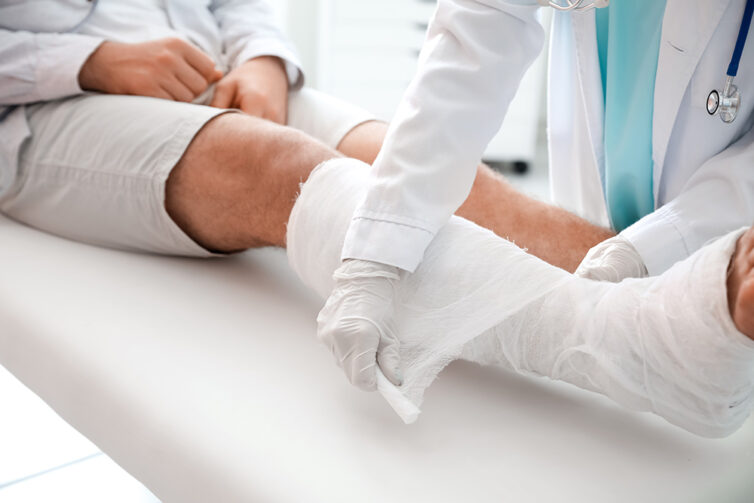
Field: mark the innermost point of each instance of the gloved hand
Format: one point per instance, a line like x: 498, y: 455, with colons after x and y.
x: 357, y: 322
x: 613, y: 260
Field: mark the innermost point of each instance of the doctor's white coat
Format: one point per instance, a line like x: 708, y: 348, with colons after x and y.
x: 475, y: 55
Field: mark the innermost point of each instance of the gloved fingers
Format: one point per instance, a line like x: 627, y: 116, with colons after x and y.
x: 601, y: 272
x: 362, y: 269
x: 355, y: 351
x: 362, y: 370
x: 356, y: 317
x: 612, y: 260
x: 328, y: 310
x: 389, y: 359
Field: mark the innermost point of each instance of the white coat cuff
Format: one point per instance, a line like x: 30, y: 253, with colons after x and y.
x: 59, y: 62
x: 659, y: 240
x: 386, y: 242
x: 274, y: 48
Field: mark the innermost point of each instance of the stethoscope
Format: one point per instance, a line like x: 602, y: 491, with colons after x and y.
x: 726, y: 103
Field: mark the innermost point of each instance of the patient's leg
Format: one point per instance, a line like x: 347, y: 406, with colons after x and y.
x: 665, y: 344
x: 236, y: 183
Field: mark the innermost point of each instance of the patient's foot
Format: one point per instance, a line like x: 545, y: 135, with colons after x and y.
x: 741, y: 284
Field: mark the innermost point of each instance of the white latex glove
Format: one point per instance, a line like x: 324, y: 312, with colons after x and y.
x: 612, y: 260
x: 357, y: 322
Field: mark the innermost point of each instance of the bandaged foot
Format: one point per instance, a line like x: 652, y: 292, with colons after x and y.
x: 666, y: 345
x: 741, y: 284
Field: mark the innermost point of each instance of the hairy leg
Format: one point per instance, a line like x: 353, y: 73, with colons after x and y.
x: 235, y: 186
x: 546, y: 231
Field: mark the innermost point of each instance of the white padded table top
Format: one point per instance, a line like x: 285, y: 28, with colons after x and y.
x: 203, y: 378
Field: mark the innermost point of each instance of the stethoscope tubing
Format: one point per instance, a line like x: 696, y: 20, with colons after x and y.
x: 743, y: 34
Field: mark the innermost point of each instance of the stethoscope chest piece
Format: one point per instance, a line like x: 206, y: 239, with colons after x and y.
x: 726, y: 104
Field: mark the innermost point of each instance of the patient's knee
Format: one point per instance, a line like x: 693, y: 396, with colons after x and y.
x: 243, y: 147
x: 235, y: 184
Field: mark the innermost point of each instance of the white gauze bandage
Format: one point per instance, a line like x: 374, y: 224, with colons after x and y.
x: 665, y: 344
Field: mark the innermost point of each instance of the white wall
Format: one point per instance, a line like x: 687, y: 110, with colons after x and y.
x: 300, y: 19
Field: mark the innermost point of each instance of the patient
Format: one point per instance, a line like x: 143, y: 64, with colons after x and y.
x: 123, y: 139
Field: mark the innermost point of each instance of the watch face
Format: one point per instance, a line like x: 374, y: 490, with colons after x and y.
x: 713, y: 102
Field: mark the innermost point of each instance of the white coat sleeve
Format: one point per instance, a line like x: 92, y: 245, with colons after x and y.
x: 249, y: 30
x: 717, y: 199
x: 41, y: 66
x: 471, y: 65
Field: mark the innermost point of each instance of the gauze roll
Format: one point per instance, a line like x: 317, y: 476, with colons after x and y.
x: 665, y: 345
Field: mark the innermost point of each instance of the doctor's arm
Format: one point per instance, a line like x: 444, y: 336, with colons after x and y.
x: 263, y: 63
x: 717, y: 199
x: 470, y: 68
x: 471, y: 65
x: 41, y: 66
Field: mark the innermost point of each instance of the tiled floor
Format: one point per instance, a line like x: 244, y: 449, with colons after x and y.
x: 43, y: 459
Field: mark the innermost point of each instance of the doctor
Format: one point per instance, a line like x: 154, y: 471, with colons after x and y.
x: 634, y: 147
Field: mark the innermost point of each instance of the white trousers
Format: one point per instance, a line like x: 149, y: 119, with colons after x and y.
x: 95, y: 166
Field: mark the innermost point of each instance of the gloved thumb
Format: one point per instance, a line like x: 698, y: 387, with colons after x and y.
x: 389, y: 358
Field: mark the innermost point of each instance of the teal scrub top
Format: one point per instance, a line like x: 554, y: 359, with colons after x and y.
x: 628, y: 43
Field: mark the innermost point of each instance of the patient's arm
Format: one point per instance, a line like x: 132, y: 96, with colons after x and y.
x: 41, y: 66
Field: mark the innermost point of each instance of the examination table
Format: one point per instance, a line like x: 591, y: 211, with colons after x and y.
x: 204, y: 379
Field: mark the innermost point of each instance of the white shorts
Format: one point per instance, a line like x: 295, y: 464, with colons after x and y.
x: 95, y: 167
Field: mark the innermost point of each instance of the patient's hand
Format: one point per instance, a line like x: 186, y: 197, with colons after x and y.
x: 169, y: 68
x: 258, y: 87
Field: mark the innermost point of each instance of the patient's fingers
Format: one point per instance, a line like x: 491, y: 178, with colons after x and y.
x: 201, y: 62
x: 178, y: 90
x: 224, y: 95
x: 253, y: 105
x: 162, y: 94
x: 191, y: 78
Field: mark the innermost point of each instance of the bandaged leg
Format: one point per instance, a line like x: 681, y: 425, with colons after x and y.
x: 665, y: 344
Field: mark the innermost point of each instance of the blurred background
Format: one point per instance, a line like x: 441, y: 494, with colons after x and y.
x: 366, y: 52
x: 363, y: 51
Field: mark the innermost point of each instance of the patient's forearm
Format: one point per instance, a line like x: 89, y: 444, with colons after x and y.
x: 544, y: 230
